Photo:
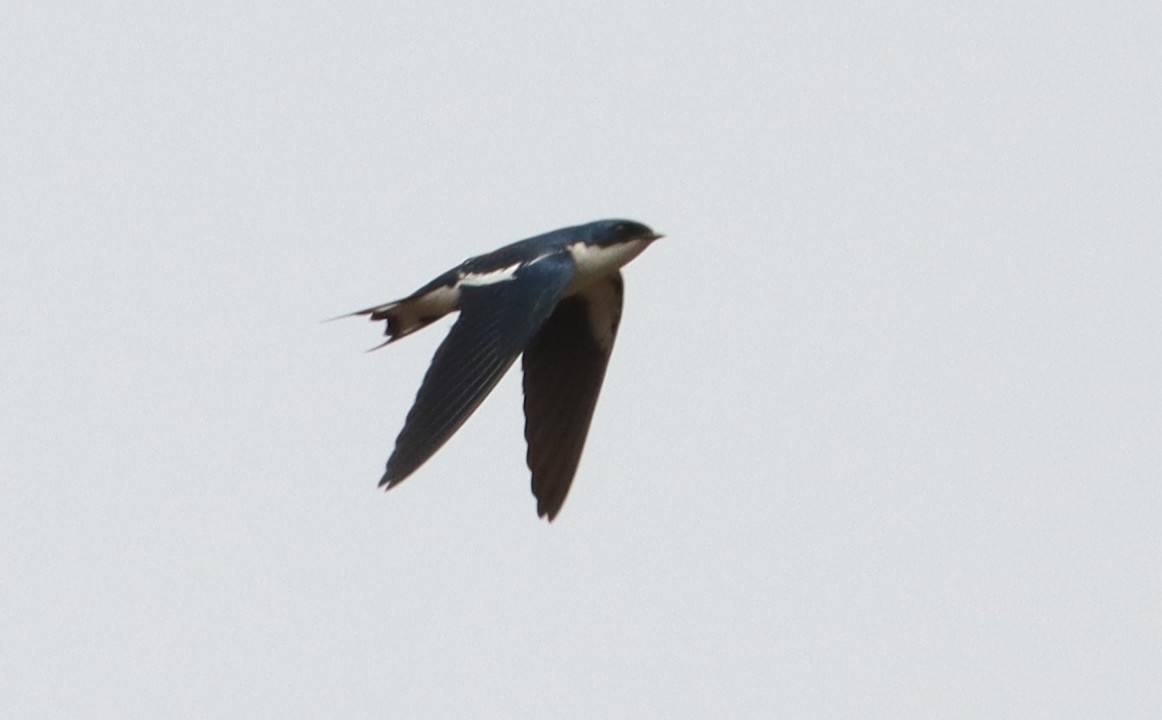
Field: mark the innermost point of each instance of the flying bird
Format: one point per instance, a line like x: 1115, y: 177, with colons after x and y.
x: 555, y: 298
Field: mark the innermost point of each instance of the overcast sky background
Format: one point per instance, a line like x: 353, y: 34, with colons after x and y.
x: 881, y: 436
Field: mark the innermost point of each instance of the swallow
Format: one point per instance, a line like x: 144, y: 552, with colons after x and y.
x: 554, y: 299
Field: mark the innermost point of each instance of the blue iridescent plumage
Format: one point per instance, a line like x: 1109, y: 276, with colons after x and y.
x: 556, y: 298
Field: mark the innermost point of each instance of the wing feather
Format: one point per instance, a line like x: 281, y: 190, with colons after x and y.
x: 495, y: 324
x: 564, y: 367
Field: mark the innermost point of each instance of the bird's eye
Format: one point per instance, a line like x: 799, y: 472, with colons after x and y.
x: 620, y: 228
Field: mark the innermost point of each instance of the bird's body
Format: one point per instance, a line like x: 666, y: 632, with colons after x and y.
x: 556, y: 298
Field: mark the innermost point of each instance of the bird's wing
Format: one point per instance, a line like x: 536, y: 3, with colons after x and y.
x: 564, y: 366
x: 495, y: 324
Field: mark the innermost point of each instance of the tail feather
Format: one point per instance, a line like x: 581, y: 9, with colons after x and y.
x: 400, y: 322
x: 415, y: 312
x: 377, y: 312
x: 389, y: 312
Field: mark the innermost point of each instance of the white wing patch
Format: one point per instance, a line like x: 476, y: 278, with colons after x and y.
x: 504, y: 274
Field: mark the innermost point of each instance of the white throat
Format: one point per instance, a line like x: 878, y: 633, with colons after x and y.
x: 594, y: 261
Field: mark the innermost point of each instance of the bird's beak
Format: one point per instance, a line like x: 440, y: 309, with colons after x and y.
x: 655, y: 236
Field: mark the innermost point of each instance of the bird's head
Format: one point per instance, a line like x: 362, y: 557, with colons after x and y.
x: 613, y: 232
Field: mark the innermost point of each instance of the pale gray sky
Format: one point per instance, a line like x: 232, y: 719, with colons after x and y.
x: 881, y: 438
